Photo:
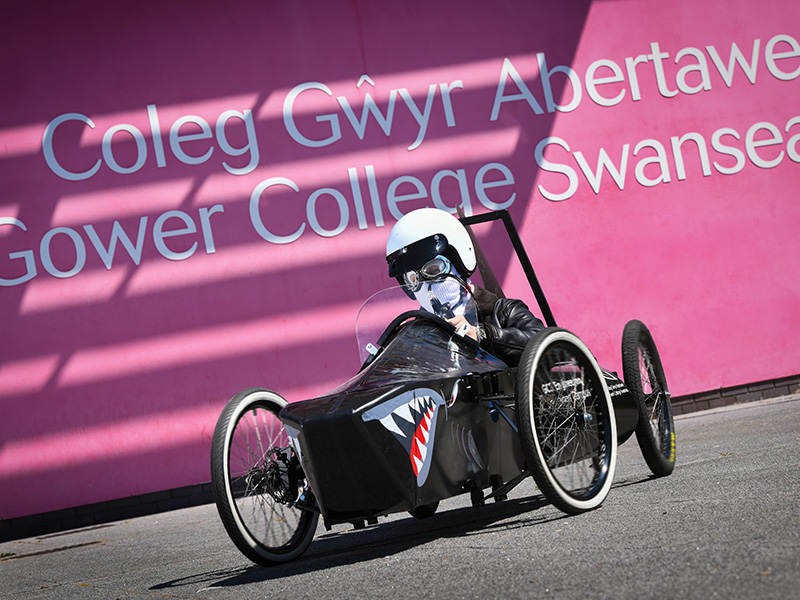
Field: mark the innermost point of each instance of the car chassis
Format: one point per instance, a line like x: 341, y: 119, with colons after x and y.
x: 430, y: 415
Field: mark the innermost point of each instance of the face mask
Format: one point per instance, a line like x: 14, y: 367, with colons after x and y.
x: 444, y: 297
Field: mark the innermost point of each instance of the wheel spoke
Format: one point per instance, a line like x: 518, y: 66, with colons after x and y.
x: 252, y: 451
x: 653, y: 396
x: 644, y: 377
x: 256, y: 479
x: 567, y: 422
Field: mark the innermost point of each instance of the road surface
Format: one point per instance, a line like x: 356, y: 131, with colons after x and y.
x: 725, y: 524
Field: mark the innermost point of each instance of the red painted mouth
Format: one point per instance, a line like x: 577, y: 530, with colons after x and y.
x: 411, y: 418
x: 419, y: 444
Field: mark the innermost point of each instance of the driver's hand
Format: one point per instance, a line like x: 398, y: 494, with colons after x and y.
x: 459, y: 321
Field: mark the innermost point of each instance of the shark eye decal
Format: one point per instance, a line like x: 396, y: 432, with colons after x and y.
x: 411, y: 417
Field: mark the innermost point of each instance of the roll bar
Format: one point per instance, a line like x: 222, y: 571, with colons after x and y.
x: 487, y: 274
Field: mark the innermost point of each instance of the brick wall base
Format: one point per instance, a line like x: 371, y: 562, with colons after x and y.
x: 195, y: 495
x: 105, y: 512
x: 752, y: 392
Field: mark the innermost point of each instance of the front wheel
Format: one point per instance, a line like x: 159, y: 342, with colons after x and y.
x: 567, y: 425
x: 644, y: 376
x: 265, y: 505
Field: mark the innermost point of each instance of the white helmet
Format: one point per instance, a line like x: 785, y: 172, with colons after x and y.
x: 423, y: 234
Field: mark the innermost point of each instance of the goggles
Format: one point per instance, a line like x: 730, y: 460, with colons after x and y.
x: 432, y: 269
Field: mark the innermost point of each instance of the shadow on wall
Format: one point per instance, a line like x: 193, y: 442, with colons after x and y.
x: 112, y: 372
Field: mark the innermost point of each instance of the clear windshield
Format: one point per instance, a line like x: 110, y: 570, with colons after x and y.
x: 446, y: 298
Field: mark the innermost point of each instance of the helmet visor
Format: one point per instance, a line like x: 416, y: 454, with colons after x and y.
x: 410, y: 257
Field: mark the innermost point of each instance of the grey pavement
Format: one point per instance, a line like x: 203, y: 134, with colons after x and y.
x: 725, y: 524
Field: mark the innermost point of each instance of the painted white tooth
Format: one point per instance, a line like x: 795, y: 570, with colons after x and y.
x: 404, y: 412
x: 391, y: 425
x: 417, y: 462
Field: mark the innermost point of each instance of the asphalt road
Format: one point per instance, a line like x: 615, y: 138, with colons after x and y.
x: 725, y: 524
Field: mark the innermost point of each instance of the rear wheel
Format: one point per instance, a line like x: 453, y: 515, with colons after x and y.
x: 644, y: 377
x: 566, y: 421
x: 259, y: 486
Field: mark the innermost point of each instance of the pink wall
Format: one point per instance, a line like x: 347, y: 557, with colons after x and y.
x: 224, y: 149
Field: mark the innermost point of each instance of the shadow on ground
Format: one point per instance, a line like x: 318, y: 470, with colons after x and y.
x: 346, y: 547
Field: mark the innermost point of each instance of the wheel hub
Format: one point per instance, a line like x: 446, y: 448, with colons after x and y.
x: 256, y: 480
x: 279, y: 477
x: 583, y: 418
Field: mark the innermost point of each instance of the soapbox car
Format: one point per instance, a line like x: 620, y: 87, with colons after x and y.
x: 431, y: 415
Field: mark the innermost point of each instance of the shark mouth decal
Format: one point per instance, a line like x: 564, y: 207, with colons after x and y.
x: 411, y: 417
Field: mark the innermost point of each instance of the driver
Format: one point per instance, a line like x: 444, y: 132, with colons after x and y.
x: 429, y: 244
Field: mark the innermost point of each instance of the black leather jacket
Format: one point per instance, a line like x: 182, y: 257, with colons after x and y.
x: 506, y: 325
